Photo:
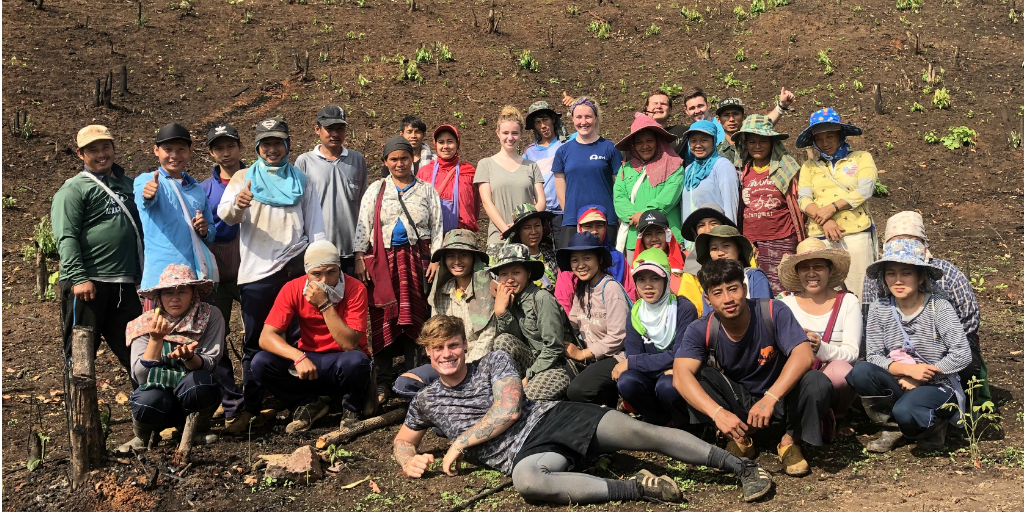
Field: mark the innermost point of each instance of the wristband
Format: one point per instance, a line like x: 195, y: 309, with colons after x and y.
x: 325, y: 306
x: 769, y: 393
x: 300, y: 359
x: 713, y: 416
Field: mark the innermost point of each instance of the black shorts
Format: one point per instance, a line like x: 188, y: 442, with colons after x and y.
x: 566, y: 429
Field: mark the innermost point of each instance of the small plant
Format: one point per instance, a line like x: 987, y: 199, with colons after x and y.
x: 247, y: 18
x: 826, y: 61
x: 34, y: 463
x: 482, y: 121
x: 652, y: 30
x: 730, y: 81
x: 858, y: 86
x: 927, y: 89
x: 362, y: 81
x: 362, y: 4
x: 572, y: 10
x: 10, y: 202
x: 740, y: 14
x: 527, y: 62
x: 908, y: 5
x: 889, y: 146
x: 334, y: 452
x: 142, y: 19
x: 601, y: 29
x: 43, y: 237
x: 880, y: 189
x: 976, y: 421
x: 931, y: 138
x: 753, y: 67
x: 692, y: 15
x: 916, y: 107
x: 741, y: 55
x: 1014, y: 141
x: 409, y: 71
x: 757, y: 8
x: 941, y: 98
x: 671, y: 90
x: 423, y: 55
x: 960, y: 136
x: 350, y: 35
x: 443, y: 53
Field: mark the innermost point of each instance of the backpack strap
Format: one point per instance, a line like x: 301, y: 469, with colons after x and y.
x: 766, y: 309
x: 624, y: 294
x: 711, y: 341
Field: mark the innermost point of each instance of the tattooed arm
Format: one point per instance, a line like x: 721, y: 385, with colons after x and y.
x: 508, y: 403
x: 413, y: 464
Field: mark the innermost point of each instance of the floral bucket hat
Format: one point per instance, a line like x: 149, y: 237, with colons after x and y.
x: 825, y: 120
x: 176, y: 275
x: 906, y: 251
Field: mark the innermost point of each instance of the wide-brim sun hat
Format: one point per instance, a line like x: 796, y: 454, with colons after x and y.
x: 824, y: 120
x: 757, y: 124
x: 540, y: 107
x: 703, y: 242
x: 585, y: 241
x: 642, y: 122
x: 459, y: 240
x: 523, y: 213
x: 814, y: 249
x: 906, y: 251
x: 706, y: 210
x: 176, y: 275
x: 517, y: 254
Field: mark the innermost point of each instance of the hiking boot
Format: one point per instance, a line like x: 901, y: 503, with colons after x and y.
x: 305, y: 415
x: 888, y: 441
x: 742, y: 451
x: 219, y: 413
x: 756, y: 482
x: 350, y: 419
x: 143, y: 433
x: 244, y: 423
x: 657, y: 488
x: 793, y: 460
x: 934, y: 438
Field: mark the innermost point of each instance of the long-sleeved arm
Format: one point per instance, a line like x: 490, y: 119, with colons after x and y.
x: 759, y: 286
x: 228, y: 211
x: 807, y: 172
x: 876, y: 352
x: 66, y: 217
x: 312, y: 214
x: 624, y: 208
x: 550, y: 343
x: 851, y: 321
x: 867, y: 175
x: 363, y: 224
x: 211, y: 343
x: 951, y: 333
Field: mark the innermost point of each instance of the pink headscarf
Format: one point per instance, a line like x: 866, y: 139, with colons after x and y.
x: 665, y: 161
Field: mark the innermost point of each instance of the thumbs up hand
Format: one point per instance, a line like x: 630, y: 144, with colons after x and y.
x: 200, y: 225
x: 149, y: 191
x: 244, y: 198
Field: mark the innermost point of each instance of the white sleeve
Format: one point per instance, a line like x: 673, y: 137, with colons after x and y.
x: 313, y: 215
x: 227, y: 210
x: 852, y: 323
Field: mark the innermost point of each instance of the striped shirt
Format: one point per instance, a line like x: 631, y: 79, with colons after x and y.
x: 935, y: 332
x: 954, y: 286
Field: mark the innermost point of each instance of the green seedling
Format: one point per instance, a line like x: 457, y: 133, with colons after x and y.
x: 941, y: 98
x: 976, y: 421
x: 527, y: 62
x: 601, y: 29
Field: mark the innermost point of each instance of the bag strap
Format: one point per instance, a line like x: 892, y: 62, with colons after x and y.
x: 406, y: 210
x: 624, y: 294
x: 197, y: 244
x: 138, y: 234
x: 711, y: 341
x: 827, y: 335
x: 766, y: 308
x: 636, y: 186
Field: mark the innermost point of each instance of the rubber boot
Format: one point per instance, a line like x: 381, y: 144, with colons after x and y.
x: 933, y: 438
x: 202, y: 433
x: 879, y: 411
x: 143, y: 433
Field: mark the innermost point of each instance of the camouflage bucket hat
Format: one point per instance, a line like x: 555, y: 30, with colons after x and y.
x: 521, y: 214
x: 510, y: 254
x: 460, y: 240
x: 537, y: 108
x: 758, y: 124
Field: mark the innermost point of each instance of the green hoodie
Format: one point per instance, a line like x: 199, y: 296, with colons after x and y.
x: 94, y: 238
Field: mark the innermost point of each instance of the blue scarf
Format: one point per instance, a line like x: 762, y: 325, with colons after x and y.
x: 841, y: 153
x: 280, y: 185
x: 701, y: 167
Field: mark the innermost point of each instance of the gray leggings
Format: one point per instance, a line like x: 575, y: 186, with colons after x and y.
x: 543, y: 476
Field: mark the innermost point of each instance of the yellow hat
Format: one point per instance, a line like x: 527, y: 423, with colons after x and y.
x: 93, y: 133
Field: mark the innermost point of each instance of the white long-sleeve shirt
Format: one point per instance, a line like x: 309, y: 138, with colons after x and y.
x: 270, y: 236
x: 846, y: 334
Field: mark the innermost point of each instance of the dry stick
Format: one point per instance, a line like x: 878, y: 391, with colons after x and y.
x: 42, y: 274
x: 346, y: 434
x: 110, y: 88
x: 85, y: 431
x: 124, y: 80
x: 956, y: 56
x: 479, y: 496
x: 138, y: 16
x: 305, y: 72
x: 878, y: 99
x: 181, y: 456
x: 96, y: 95
x: 475, y: 24
x: 1021, y: 133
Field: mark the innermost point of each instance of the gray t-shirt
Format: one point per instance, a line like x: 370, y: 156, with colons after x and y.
x: 456, y: 409
x: 508, y: 189
x: 340, y: 185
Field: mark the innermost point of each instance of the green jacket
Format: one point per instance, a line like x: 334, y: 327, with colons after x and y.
x: 664, y: 198
x: 536, y: 318
x: 94, y: 238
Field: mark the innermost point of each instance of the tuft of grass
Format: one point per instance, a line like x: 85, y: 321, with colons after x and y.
x: 26, y: 128
x: 573, y: 10
x: 527, y: 62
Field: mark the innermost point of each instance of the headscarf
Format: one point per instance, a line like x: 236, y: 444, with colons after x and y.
x: 618, y: 267
x: 319, y: 254
x: 701, y: 167
x: 396, y: 143
x: 278, y: 185
x: 187, y: 328
x: 655, y: 322
x: 659, y: 168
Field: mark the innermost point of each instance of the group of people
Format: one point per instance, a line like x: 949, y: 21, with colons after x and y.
x: 687, y: 275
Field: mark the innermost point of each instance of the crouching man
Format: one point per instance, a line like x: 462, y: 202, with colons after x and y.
x: 329, y: 359
x: 481, y: 408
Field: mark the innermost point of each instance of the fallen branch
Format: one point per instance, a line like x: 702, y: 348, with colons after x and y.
x: 184, y: 451
x: 346, y: 434
x: 479, y: 496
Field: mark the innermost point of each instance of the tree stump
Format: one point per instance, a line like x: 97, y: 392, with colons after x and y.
x: 85, y: 431
x: 878, y: 99
x: 181, y: 456
x: 124, y: 80
x: 42, y: 274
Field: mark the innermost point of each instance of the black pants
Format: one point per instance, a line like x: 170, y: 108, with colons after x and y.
x: 801, y: 411
x: 594, y: 385
x: 109, y: 312
x: 163, y: 407
x: 223, y: 298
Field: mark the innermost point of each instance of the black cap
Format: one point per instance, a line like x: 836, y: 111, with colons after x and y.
x: 173, y: 131
x: 222, y: 130
x: 331, y: 114
x: 651, y: 218
x: 273, y: 127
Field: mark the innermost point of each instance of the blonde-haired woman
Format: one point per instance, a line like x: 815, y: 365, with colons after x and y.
x: 507, y: 180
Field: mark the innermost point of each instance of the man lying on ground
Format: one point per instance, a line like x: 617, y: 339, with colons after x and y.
x: 481, y: 408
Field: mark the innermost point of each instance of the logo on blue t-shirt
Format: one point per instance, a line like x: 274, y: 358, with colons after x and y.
x: 598, y: 157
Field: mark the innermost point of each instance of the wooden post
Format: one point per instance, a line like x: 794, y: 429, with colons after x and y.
x: 107, y: 90
x: 124, y: 80
x: 42, y: 275
x: 956, y: 56
x: 181, y: 456
x: 86, y: 431
x: 96, y: 96
x: 878, y: 99
x: 490, y: 21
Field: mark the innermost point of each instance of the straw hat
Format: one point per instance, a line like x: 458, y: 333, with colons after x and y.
x: 811, y: 249
x: 178, y: 275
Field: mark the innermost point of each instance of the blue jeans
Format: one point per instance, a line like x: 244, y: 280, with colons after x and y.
x: 339, y: 374
x: 654, y: 398
x: 914, y: 410
x: 162, y: 407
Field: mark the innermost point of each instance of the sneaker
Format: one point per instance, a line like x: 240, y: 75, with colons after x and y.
x: 756, y: 482
x: 657, y: 488
x: 305, y: 415
x: 742, y: 451
x: 242, y: 424
x: 793, y: 460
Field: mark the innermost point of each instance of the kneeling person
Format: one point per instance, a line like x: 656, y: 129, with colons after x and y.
x: 329, y: 359
x: 481, y: 407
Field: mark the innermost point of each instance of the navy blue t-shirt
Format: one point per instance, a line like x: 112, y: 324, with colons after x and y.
x: 754, y: 361
x: 589, y: 171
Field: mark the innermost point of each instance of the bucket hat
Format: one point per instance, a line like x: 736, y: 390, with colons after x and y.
x: 704, y: 126
x: 523, y: 213
x: 903, y: 250
x: 826, y: 119
x: 509, y: 254
x: 706, y: 210
x: 585, y: 241
x: 812, y: 249
x: 723, y: 231
x: 176, y: 275
x: 757, y: 124
x: 537, y: 108
x: 643, y: 122
x: 458, y: 240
